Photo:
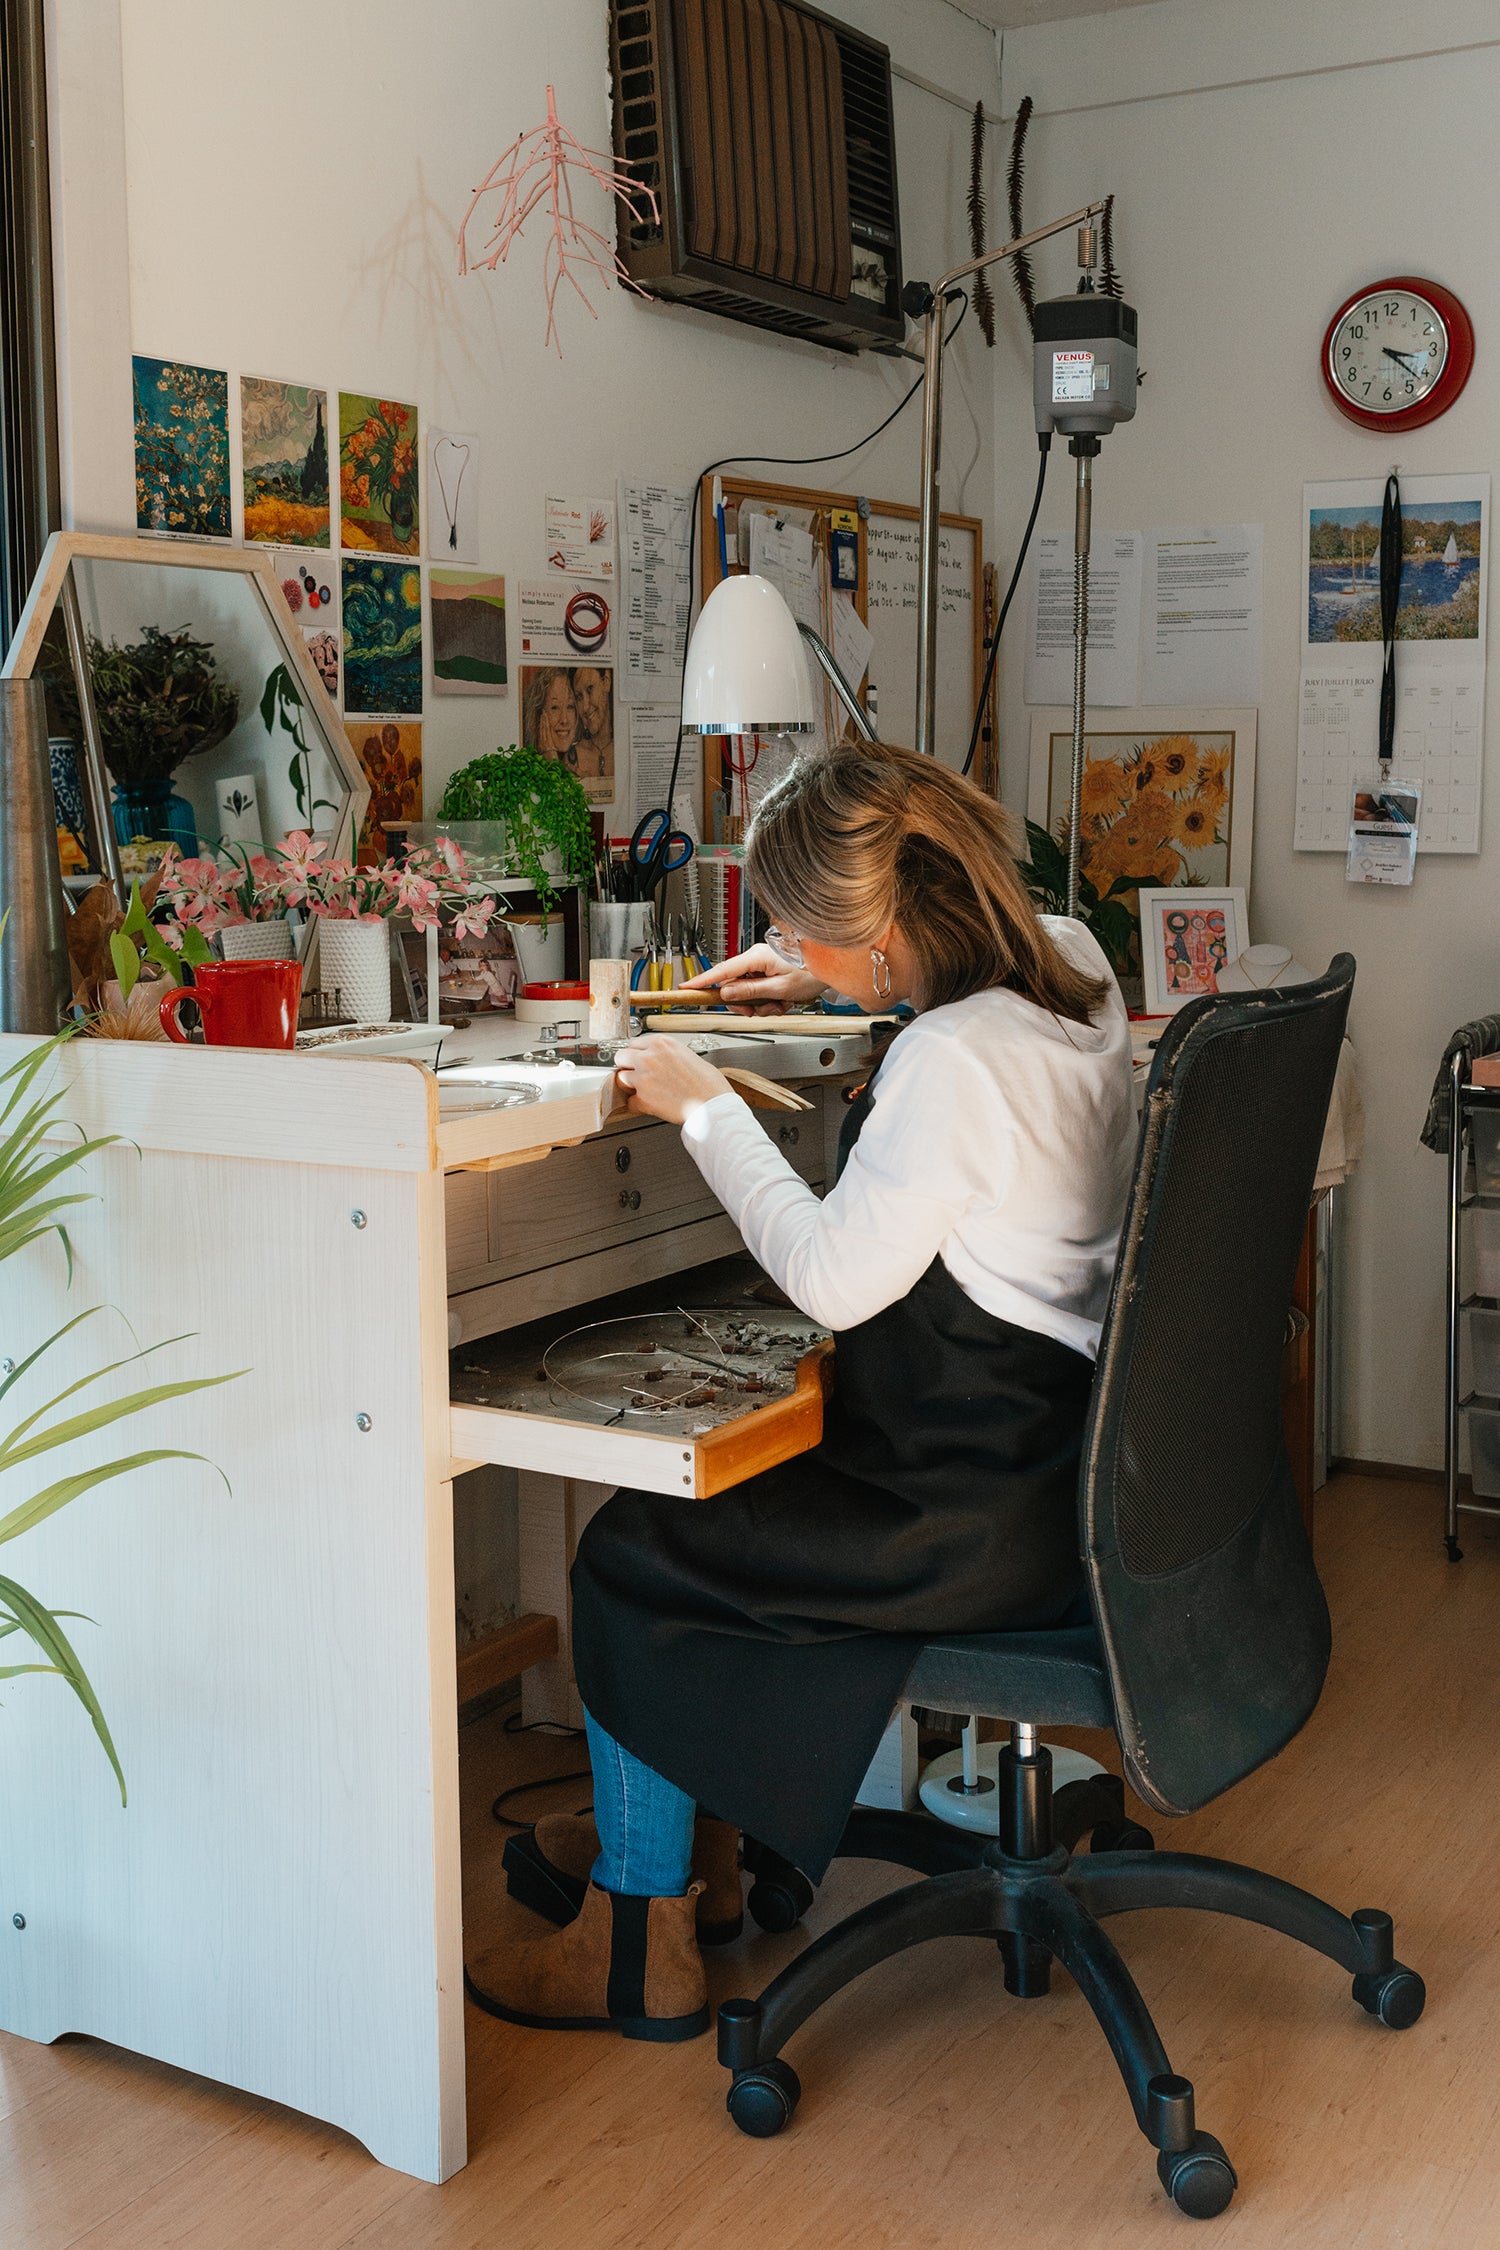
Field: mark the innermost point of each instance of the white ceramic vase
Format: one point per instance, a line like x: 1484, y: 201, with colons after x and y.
x: 542, y: 959
x: 354, y: 960
x: 257, y: 941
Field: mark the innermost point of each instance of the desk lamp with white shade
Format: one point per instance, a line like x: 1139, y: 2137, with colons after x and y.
x: 746, y: 673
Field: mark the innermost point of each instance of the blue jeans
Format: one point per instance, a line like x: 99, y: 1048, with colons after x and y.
x: 645, y: 1823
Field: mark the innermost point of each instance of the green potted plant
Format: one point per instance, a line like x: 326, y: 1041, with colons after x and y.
x: 534, y: 814
x: 1111, y: 915
x: 159, y: 700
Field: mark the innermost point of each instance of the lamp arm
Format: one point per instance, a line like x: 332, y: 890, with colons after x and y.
x: 841, y: 688
x: 932, y: 427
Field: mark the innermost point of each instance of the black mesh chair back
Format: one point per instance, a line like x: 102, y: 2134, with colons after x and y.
x: 1211, y: 1617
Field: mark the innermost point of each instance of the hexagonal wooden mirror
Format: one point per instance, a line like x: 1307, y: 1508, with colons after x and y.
x: 184, y: 705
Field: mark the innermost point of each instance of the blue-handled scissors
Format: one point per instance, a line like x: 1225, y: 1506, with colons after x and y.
x: 656, y: 850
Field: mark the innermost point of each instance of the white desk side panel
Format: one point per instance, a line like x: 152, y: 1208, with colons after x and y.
x: 278, y: 1907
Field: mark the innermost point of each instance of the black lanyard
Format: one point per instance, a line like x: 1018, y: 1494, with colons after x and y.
x: 1390, y: 601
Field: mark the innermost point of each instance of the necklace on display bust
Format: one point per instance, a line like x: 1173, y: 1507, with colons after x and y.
x: 1260, y: 967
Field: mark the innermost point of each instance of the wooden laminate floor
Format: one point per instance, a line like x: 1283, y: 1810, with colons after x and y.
x: 936, y: 2111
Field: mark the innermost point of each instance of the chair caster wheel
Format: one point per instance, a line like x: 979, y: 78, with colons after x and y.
x: 778, y: 1902
x: 1397, y: 1996
x: 1200, y: 2180
x: 764, y: 2100
x: 1455, y: 1552
x: 1127, y: 1836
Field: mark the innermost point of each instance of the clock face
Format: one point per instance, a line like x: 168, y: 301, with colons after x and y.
x: 1398, y: 354
x: 1388, y: 351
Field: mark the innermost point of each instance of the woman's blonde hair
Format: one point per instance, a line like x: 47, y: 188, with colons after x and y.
x: 866, y: 835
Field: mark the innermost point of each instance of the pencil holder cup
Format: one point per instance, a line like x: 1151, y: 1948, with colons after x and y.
x: 617, y: 931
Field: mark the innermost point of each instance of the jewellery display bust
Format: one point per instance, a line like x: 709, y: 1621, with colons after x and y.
x: 1260, y: 967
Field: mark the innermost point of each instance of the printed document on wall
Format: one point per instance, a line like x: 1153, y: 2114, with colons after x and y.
x: 653, y: 746
x: 1114, y: 621
x: 657, y: 596
x: 1439, y: 653
x: 1201, y: 594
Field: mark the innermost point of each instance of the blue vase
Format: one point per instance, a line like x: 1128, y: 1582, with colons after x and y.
x: 153, y: 810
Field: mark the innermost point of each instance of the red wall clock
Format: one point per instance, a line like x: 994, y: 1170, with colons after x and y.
x: 1398, y: 355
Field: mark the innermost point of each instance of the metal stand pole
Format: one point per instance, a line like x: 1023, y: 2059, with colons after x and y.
x: 934, y: 303
x: 1083, y: 450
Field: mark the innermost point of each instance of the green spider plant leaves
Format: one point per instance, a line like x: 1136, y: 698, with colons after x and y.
x: 31, y: 1168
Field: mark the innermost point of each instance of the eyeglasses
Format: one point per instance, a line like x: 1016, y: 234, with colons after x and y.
x: 785, y: 948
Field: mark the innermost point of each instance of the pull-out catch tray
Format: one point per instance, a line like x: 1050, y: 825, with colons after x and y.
x: 688, y: 1386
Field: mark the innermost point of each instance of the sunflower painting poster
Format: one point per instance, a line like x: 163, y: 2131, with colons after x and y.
x: 1165, y: 803
x: 382, y: 608
x: 284, y: 449
x: 181, y: 449
x: 378, y: 463
x: 390, y: 751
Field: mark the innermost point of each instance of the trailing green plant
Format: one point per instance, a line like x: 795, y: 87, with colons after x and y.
x: 159, y: 700
x: 542, y: 805
x: 1112, y: 921
x: 36, y: 1190
x: 282, y: 707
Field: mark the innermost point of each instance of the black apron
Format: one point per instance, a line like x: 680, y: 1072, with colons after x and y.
x: 751, y: 1648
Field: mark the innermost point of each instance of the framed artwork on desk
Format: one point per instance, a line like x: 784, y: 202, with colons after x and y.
x: 1188, y: 934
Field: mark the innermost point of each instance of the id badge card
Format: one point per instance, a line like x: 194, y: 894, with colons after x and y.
x: 1383, y: 822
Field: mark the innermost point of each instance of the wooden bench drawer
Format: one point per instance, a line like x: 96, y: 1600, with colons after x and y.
x: 632, y: 1180
x: 507, y: 1409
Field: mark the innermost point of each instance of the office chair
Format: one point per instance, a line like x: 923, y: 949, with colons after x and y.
x: 1209, y: 1634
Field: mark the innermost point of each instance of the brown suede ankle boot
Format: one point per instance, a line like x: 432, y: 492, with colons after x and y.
x: 716, y: 1865
x: 548, y: 1869
x: 622, y: 1964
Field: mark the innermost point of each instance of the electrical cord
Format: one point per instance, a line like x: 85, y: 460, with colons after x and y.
x: 779, y: 461
x: 1044, y: 441
x: 514, y: 1724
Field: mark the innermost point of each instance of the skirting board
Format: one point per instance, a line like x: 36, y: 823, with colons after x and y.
x: 505, y: 1654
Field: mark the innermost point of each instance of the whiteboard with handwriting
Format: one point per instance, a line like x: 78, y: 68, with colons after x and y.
x: 891, y: 588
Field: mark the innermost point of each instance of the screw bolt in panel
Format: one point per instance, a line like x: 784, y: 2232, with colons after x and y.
x: 358, y: 1219
x: 363, y: 1422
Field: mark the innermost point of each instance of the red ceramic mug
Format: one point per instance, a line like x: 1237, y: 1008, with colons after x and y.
x: 240, y: 1003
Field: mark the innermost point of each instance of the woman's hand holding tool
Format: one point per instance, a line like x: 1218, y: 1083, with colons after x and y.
x: 758, y: 982
x: 666, y: 1079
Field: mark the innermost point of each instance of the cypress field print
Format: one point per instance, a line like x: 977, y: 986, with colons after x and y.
x: 284, y: 447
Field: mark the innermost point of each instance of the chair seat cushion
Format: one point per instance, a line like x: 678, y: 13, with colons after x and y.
x: 1052, y: 1676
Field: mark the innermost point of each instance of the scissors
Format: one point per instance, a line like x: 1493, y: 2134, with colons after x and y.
x: 656, y: 851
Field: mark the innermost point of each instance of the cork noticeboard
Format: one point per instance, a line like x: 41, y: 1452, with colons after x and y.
x: 886, y: 598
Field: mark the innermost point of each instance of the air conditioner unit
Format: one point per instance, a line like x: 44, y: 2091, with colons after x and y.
x: 764, y: 128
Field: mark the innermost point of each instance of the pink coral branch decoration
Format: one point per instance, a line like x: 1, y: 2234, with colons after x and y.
x: 536, y: 170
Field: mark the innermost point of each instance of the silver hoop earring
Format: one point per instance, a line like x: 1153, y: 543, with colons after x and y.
x: 880, y: 967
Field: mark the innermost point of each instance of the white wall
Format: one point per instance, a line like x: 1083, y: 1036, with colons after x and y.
x: 1268, y: 162
x: 294, y: 176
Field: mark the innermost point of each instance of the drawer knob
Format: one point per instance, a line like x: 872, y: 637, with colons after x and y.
x: 630, y: 1199
x: 789, y: 1135
x: 622, y: 1160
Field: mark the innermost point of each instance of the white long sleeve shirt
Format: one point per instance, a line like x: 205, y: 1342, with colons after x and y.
x: 1000, y: 1139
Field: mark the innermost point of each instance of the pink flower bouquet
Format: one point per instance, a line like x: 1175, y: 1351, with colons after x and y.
x: 431, y: 885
